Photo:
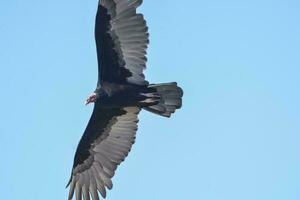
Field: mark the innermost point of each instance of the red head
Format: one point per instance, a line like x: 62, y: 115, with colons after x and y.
x: 91, y: 99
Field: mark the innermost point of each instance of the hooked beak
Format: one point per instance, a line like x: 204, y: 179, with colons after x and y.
x: 86, y: 103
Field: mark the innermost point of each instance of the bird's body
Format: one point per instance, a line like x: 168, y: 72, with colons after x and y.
x: 111, y: 95
x: 121, y: 93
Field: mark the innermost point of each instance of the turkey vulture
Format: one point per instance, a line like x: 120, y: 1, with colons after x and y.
x: 122, y: 91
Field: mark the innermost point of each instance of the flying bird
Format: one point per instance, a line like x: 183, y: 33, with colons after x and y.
x: 122, y: 92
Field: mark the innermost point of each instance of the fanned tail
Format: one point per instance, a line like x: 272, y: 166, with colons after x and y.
x: 170, y: 99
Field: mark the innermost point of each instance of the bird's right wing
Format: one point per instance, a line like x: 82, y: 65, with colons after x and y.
x: 105, y: 143
x: 122, y: 40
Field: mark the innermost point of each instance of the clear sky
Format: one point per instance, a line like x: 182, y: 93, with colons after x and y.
x: 237, y: 136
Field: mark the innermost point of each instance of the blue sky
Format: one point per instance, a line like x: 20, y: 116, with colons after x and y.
x: 237, y: 136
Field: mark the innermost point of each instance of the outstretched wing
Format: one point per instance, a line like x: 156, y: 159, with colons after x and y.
x: 105, y: 143
x: 122, y: 40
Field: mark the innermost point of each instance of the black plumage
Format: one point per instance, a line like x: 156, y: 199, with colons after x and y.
x: 122, y: 91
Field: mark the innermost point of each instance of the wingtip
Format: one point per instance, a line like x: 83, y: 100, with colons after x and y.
x: 69, y: 183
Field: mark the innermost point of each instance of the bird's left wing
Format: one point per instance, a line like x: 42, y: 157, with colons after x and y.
x: 105, y: 143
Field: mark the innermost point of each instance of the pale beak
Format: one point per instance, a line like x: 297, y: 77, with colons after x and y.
x: 88, y: 101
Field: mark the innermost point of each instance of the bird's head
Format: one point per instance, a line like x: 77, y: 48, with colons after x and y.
x: 91, y: 99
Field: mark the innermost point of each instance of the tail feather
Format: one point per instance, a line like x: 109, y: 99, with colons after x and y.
x: 170, y: 99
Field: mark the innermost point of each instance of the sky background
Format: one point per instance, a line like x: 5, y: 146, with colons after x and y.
x: 237, y: 136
